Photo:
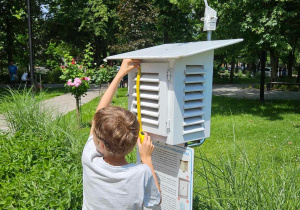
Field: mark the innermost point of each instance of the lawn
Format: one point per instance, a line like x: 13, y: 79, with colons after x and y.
x: 251, y: 160
x: 254, y: 145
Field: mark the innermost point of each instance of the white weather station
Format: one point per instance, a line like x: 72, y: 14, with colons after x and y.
x: 175, y: 91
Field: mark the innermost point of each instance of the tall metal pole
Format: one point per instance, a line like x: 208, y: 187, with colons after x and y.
x: 30, y: 42
x: 209, y: 35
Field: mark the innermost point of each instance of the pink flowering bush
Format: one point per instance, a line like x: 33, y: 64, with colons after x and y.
x: 77, y: 77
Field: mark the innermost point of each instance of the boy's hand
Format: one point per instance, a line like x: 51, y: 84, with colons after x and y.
x: 146, y: 148
x: 128, y: 65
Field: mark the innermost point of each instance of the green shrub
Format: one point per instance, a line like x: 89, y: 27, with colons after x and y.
x: 294, y: 88
x: 240, y: 74
x: 39, y: 164
x: 105, y: 74
x: 52, y: 77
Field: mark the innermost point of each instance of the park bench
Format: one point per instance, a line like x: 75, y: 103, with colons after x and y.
x: 270, y: 84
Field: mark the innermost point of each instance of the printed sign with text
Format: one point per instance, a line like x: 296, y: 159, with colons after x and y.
x: 173, y: 166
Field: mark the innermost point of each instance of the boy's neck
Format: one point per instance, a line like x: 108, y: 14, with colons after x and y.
x: 115, y: 161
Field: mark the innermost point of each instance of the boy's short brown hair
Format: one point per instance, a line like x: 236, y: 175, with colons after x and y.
x: 117, y: 128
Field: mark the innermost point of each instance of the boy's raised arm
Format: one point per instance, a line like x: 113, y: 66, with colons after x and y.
x: 126, y: 67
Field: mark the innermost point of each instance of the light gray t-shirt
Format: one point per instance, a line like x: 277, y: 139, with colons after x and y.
x: 115, y: 187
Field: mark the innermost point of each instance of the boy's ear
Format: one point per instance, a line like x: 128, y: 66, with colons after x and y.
x: 102, y: 145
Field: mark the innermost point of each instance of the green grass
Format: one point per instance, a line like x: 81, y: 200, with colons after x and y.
x: 251, y: 160
x: 5, y: 94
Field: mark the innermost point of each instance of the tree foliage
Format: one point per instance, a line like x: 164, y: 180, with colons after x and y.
x: 113, y: 26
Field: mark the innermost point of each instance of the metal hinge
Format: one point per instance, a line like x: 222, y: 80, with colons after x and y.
x: 169, y: 75
x: 168, y: 125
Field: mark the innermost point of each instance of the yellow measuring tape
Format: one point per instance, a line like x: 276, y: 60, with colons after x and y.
x: 138, y: 104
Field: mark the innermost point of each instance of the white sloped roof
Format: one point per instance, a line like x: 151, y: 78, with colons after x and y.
x: 176, y: 50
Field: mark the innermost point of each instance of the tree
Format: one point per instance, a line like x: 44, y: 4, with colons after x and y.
x: 137, y: 27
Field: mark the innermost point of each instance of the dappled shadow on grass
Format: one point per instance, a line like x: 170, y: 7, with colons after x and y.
x: 271, y: 110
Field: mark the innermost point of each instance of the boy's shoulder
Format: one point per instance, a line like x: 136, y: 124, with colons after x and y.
x: 90, y: 153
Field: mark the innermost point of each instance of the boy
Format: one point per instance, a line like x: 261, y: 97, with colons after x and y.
x: 109, y: 182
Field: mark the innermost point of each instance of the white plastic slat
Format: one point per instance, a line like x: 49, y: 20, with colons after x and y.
x: 149, y: 78
x: 147, y: 96
x: 194, y: 79
x: 145, y: 112
x: 194, y: 73
x: 193, y: 88
x: 193, y: 96
x: 147, y: 104
x: 152, y: 122
x: 148, y: 87
x: 193, y: 121
x: 192, y: 113
x: 193, y: 104
x: 193, y: 131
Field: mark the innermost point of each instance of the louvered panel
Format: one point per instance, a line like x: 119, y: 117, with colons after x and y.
x: 149, y: 95
x: 193, y: 104
x: 193, y: 115
x: 147, y: 104
x: 193, y: 96
x: 193, y: 121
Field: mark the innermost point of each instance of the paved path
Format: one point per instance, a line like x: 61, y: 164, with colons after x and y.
x: 241, y: 91
x: 62, y: 104
x: 66, y: 103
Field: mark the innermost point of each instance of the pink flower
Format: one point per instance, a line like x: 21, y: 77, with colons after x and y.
x: 69, y: 83
x: 76, y: 84
x: 87, y: 78
x: 77, y: 80
x: 73, y: 62
x: 62, y: 67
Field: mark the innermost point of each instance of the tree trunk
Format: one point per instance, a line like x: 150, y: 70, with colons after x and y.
x: 78, y: 109
x: 166, y: 37
x: 252, y: 68
x: 232, y: 71
x: 298, y: 77
x: 262, y: 76
x: 97, y: 55
x: 9, y: 33
x: 290, y: 63
x: 221, y: 62
x: 274, y: 65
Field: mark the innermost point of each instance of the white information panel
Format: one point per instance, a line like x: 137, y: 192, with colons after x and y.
x: 174, y: 167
